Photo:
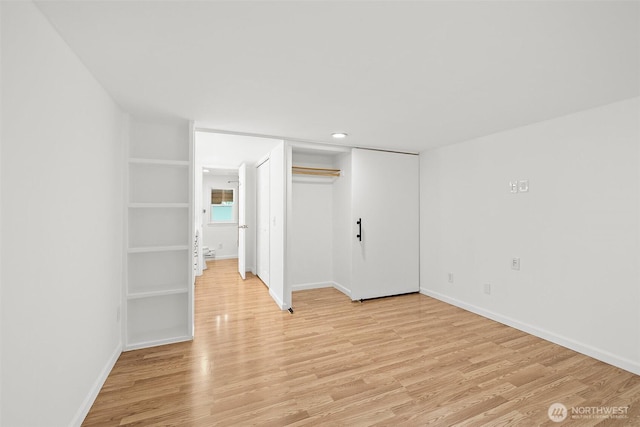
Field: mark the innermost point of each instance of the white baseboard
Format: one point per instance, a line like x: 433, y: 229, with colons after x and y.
x: 602, y: 355
x: 320, y: 285
x: 218, y: 257
x: 342, y: 289
x: 97, y: 386
x: 316, y: 285
x: 157, y: 343
x: 278, y: 300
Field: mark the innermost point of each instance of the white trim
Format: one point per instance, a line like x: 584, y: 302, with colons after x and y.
x: 319, y: 146
x: 299, y: 142
x: 97, y: 386
x: 219, y: 257
x: 602, y: 355
x: 342, y: 289
x: 315, y: 285
x: 156, y: 343
x: 193, y: 232
x: 175, y: 291
x: 320, y: 285
x: 124, y: 303
x: 277, y: 300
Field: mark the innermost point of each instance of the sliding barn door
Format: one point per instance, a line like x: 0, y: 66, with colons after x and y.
x: 386, y: 241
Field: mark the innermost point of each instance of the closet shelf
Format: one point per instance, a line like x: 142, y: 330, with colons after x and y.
x: 143, y: 339
x: 158, y: 293
x: 302, y: 170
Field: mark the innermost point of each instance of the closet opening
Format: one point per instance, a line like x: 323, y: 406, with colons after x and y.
x: 320, y: 229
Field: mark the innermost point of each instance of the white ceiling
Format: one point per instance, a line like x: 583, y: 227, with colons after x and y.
x: 403, y: 75
x: 221, y: 151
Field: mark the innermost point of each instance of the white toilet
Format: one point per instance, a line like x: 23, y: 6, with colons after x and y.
x: 208, y: 253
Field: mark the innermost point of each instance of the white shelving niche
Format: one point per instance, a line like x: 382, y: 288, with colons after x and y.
x: 158, y: 261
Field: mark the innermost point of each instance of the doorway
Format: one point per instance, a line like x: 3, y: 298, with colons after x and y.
x: 223, y: 154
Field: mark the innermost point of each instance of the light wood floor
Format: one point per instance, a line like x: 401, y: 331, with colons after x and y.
x: 408, y: 360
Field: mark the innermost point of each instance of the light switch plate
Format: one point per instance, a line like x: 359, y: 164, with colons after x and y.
x: 513, y: 185
x: 523, y: 186
x: 515, y: 264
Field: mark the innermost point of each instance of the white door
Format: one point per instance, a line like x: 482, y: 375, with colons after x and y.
x: 386, y: 202
x: 262, y: 222
x: 242, y: 220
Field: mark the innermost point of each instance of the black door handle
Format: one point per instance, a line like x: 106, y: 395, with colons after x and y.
x: 359, y: 236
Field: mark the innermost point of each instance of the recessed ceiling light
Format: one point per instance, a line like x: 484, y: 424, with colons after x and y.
x: 339, y: 135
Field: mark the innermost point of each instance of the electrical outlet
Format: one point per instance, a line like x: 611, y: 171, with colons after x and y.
x: 487, y: 288
x: 450, y: 277
x: 515, y: 264
x: 523, y: 186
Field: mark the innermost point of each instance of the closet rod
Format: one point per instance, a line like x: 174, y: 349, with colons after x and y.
x: 302, y: 170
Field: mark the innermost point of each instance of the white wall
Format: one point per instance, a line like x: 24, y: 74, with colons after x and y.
x: 576, y: 231
x: 279, y: 174
x: 214, y: 235
x: 312, y: 233
x: 62, y: 219
x: 343, y: 226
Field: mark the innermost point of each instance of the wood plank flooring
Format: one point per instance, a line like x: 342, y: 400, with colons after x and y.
x: 408, y: 360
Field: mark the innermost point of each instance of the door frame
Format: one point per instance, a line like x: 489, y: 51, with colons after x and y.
x: 259, y: 200
x: 242, y: 221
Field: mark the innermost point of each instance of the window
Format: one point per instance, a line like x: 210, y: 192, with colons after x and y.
x: 222, y: 201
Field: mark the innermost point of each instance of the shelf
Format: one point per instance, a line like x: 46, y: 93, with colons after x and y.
x: 144, y: 249
x: 159, y: 205
x: 159, y: 293
x: 157, y: 318
x: 158, y: 227
x: 156, y: 183
x: 157, y: 271
x: 155, y: 338
x: 158, y: 162
x: 314, y: 179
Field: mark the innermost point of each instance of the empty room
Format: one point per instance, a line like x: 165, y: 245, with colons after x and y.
x: 335, y: 213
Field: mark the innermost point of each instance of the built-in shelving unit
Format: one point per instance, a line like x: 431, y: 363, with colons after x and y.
x: 158, y: 238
